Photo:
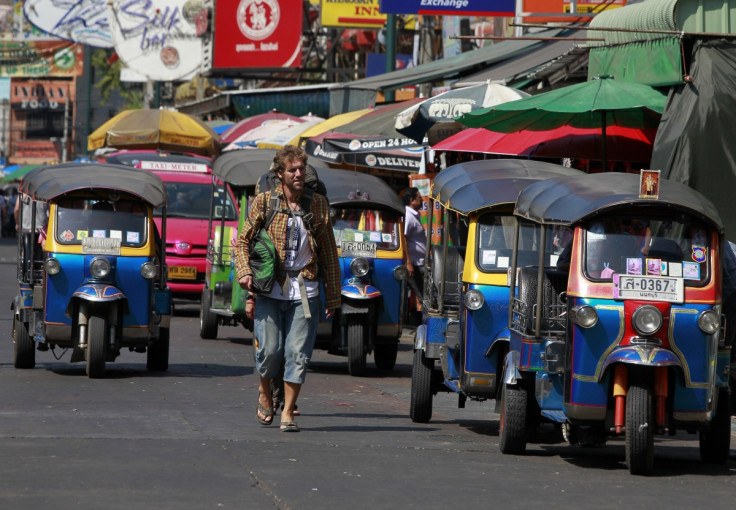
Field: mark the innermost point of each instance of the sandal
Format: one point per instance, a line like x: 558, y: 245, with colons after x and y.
x: 262, y: 411
x: 289, y: 426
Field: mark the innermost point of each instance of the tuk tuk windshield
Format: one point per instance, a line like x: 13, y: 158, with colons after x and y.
x: 192, y: 200
x: 366, y: 225
x: 676, y: 246
x: 495, y: 236
x: 77, y: 218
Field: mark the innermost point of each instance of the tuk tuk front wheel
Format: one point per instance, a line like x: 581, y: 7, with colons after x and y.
x: 157, y: 355
x: 25, y: 350
x: 207, y: 319
x: 420, y: 407
x: 639, y: 427
x: 96, y: 340
x: 513, y: 427
x: 715, y: 441
x: 356, y: 347
x: 384, y: 354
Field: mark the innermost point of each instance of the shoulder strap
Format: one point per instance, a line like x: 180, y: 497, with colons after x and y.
x: 270, y: 211
x: 306, y: 205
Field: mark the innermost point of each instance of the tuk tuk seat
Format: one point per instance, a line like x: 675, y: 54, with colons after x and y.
x: 453, y: 273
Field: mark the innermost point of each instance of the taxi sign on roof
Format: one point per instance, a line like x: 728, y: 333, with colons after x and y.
x: 173, y: 166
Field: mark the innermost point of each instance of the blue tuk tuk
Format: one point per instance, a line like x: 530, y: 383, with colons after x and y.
x: 464, y: 329
x: 621, y: 334
x: 93, y: 279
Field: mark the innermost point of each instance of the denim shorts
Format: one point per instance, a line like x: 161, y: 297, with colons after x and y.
x: 284, y: 334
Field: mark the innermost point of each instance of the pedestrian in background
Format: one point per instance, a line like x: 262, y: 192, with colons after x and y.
x: 416, y: 239
x: 286, y: 319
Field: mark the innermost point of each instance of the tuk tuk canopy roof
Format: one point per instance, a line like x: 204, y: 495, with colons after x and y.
x: 50, y: 181
x: 347, y: 188
x: 243, y: 167
x: 468, y: 187
x: 568, y: 200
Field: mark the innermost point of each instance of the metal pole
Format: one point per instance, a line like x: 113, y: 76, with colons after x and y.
x: 390, y: 52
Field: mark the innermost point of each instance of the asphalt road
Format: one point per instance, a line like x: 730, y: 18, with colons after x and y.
x: 188, y: 439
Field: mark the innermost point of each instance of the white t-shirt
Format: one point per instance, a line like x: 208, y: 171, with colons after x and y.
x: 298, y: 255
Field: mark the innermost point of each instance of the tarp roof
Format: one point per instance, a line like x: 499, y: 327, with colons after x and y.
x: 531, y: 60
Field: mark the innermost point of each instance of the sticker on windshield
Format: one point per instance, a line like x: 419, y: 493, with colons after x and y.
x: 633, y: 266
x: 133, y: 237
x: 691, y: 270
x: 386, y: 238
x: 675, y: 269
x: 98, y: 233
x: 375, y: 237
x: 654, y: 267
x: 116, y: 234
x: 82, y: 234
x: 489, y: 257
x: 67, y: 235
x: 699, y: 253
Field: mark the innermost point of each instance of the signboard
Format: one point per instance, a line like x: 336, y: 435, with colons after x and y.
x: 160, y: 39
x: 258, y: 33
x: 83, y: 21
x: 173, y: 166
x: 40, y: 58
x: 352, y: 14
x: 449, y: 7
x: 38, y: 95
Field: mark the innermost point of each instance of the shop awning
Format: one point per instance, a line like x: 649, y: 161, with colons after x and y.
x: 650, y: 58
x: 517, y: 69
x: 362, y: 93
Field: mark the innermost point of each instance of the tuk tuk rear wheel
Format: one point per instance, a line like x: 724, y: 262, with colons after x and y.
x: 513, y: 427
x: 639, y: 427
x: 715, y: 441
x: 25, y: 350
x: 96, y: 340
x: 384, y: 354
x: 157, y: 355
x: 356, y: 347
x: 420, y: 407
x: 207, y: 319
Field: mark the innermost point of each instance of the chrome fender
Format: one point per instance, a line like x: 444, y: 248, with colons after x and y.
x: 420, y: 339
x: 360, y: 291
x: 511, y: 364
x: 98, y: 292
x: 641, y: 355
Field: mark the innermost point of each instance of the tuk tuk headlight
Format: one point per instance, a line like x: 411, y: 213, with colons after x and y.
x: 647, y: 320
x: 148, y: 270
x: 584, y: 316
x: 99, y: 267
x: 52, y: 266
x: 401, y: 273
x: 359, y: 266
x: 709, y: 322
x: 473, y: 299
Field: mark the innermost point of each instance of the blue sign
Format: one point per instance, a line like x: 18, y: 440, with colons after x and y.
x: 449, y: 7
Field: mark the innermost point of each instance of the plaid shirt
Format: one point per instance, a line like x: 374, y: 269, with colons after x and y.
x: 324, y: 263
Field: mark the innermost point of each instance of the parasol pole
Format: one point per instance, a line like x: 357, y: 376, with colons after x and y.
x: 603, y: 141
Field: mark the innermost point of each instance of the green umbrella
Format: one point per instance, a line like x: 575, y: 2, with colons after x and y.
x: 599, y: 102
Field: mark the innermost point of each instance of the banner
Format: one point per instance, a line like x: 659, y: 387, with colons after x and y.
x: 258, y: 33
x: 40, y: 58
x: 352, y: 14
x: 161, y: 39
x: 449, y: 7
x: 39, y: 95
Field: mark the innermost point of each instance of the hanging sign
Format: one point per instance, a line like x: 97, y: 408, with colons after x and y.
x: 160, y: 39
x: 449, y: 7
x: 258, y: 33
x: 83, y: 21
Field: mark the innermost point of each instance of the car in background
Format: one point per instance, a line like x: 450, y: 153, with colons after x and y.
x: 188, y: 180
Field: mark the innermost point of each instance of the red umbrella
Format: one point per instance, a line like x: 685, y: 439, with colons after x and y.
x: 624, y: 144
x: 237, y: 130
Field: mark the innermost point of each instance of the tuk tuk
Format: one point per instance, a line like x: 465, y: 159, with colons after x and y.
x: 223, y: 300
x: 367, y: 222
x: 93, y: 280
x: 465, y: 321
x: 622, y: 333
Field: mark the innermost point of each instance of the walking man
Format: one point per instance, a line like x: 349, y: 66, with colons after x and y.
x: 416, y: 239
x: 286, y: 319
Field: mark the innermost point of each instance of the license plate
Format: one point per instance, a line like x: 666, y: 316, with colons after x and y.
x: 183, y: 272
x: 648, y: 288
x: 357, y: 249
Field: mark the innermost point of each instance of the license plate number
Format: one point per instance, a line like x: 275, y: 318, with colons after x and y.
x: 648, y: 288
x: 357, y: 249
x: 183, y: 272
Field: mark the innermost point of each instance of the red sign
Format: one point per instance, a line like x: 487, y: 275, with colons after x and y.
x: 258, y: 33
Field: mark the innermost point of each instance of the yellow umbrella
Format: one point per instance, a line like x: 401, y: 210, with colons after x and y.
x: 156, y: 129
x: 331, y: 123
